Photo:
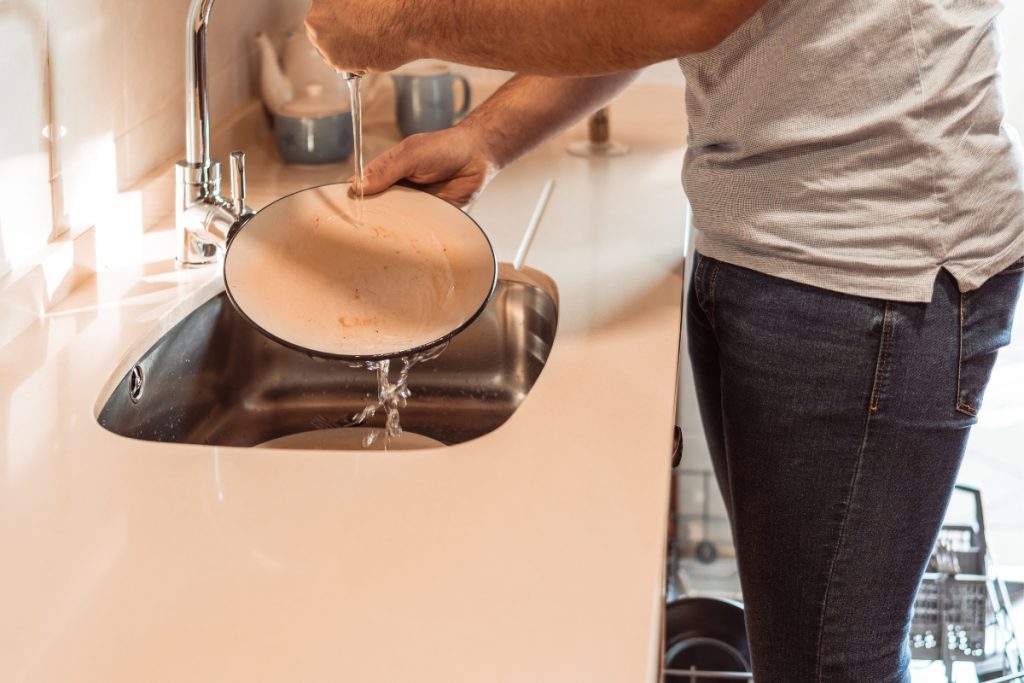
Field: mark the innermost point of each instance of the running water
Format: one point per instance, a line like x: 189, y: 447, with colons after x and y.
x: 391, y: 396
x: 356, y: 97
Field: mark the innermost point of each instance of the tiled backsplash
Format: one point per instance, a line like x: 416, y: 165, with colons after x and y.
x: 94, y: 100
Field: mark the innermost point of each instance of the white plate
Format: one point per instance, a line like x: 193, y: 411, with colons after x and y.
x: 308, y: 273
x: 351, y: 439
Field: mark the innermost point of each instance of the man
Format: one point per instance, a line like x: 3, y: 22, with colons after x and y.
x: 861, y: 231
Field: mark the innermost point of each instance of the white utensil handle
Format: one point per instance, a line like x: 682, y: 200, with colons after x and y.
x: 531, y: 229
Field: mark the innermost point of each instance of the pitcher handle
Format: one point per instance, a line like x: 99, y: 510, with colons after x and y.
x: 467, y: 96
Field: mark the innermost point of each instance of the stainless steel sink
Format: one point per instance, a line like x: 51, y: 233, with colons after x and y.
x: 213, y: 379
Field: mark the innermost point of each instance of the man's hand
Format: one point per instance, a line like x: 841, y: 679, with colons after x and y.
x: 359, y: 36
x: 453, y: 164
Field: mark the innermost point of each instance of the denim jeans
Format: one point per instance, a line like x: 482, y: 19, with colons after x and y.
x: 836, y: 426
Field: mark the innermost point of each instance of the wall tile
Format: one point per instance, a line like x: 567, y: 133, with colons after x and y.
x: 232, y: 26
x: 25, y: 214
x: 154, y: 72
x: 88, y: 106
x: 104, y: 79
x: 154, y: 58
x: 119, y: 90
x: 158, y: 139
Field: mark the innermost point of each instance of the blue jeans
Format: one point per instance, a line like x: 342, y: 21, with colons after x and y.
x: 837, y: 425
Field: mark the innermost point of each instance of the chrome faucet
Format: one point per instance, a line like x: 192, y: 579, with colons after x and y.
x: 203, y: 218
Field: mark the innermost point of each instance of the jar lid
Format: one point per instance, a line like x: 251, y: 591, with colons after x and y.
x: 316, y: 103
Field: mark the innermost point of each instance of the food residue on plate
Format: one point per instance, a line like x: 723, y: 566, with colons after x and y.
x: 353, y: 321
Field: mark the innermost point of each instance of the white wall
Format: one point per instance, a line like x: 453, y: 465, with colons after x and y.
x: 25, y: 216
x: 93, y: 94
x: 1012, y: 28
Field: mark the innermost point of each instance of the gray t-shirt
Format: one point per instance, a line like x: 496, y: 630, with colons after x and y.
x: 856, y: 145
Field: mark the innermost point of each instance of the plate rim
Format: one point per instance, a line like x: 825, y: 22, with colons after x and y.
x: 364, y: 357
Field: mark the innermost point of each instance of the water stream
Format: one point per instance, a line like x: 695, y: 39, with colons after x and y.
x: 356, y: 97
x: 391, y: 396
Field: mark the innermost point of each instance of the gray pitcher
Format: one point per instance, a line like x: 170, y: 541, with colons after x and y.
x: 425, y: 99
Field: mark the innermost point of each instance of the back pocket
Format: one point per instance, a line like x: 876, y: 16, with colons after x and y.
x: 986, y: 318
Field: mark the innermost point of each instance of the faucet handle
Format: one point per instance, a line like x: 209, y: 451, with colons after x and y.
x: 238, y: 182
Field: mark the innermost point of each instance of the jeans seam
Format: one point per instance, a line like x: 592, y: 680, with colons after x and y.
x: 839, y: 547
x: 961, y: 405
x: 884, y: 351
x: 711, y: 294
x: 698, y: 279
x: 881, y: 366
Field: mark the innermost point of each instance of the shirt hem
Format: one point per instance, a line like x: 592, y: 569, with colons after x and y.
x: 969, y: 279
x: 918, y: 289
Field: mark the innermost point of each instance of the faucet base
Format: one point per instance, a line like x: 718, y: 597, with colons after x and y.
x: 203, y: 217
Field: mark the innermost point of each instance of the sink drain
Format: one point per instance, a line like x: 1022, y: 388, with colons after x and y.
x: 135, y: 380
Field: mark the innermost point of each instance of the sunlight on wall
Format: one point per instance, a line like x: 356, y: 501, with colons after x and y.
x: 109, y: 77
x: 24, y: 206
x: 25, y: 215
x: 88, y: 182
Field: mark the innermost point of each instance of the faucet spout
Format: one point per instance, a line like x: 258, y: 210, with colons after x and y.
x: 203, y: 218
x: 197, y: 122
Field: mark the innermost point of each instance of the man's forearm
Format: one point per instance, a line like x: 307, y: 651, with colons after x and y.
x: 568, y: 37
x: 529, y: 109
x: 543, y: 37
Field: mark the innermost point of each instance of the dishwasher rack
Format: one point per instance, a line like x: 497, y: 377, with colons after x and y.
x: 962, y: 611
x: 698, y: 624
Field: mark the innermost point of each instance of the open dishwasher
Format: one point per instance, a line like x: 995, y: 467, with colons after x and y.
x: 962, y: 612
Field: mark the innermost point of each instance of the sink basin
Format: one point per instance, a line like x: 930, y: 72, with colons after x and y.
x: 214, y: 379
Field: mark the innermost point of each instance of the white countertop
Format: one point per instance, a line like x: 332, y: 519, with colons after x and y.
x: 535, y: 553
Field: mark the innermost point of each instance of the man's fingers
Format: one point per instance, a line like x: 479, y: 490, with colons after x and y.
x: 432, y: 162
x: 418, y: 159
x: 386, y: 170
